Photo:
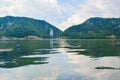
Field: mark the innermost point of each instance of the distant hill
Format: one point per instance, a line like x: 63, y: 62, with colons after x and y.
x: 20, y: 27
x: 95, y: 28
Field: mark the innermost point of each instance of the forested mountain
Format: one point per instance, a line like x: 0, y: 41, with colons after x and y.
x: 22, y: 26
x: 94, y: 28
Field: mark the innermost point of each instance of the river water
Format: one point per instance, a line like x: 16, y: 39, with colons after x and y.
x: 60, y: 59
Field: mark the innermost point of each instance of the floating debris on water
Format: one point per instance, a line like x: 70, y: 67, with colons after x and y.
x: 18, y: 46
x: 102, y: 67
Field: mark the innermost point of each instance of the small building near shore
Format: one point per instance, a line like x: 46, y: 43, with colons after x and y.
x: 32, y: 37
x: 113, y: 36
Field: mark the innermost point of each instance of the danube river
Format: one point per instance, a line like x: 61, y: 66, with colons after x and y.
x: 60, y: 59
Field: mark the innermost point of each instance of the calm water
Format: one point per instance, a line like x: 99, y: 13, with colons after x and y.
x: 60, y: 60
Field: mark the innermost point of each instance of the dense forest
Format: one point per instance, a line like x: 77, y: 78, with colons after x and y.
x: 96, y: 28
x: 20, y: 27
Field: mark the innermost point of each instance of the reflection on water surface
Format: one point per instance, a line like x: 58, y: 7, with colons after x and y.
x: 60, y: 59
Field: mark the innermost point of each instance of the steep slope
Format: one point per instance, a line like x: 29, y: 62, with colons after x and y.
x: 94, y: 28
x: 22, y: 26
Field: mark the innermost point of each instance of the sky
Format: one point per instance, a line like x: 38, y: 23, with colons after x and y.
x: 61, y: 13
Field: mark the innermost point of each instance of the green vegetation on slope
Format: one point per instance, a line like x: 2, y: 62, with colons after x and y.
x: 96, y: 28
x: 22, y: 26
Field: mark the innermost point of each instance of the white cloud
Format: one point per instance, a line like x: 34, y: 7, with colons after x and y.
x: 98, y: 8
x: 40, y: 9
x: 61, y: 13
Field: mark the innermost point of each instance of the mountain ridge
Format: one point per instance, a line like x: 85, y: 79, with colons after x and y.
x: 94, y: 28
x: 11, y: 26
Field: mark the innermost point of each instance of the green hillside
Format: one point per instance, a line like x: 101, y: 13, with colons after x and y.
x: 94, y: 28
x: 22, y: 26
